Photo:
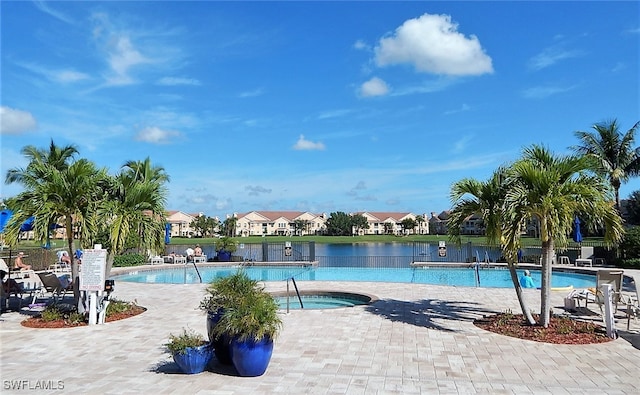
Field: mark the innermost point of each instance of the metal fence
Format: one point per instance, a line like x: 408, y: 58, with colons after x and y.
x: 305, y: 251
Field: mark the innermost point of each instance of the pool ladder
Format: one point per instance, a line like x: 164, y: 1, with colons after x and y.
x: 297, y: 293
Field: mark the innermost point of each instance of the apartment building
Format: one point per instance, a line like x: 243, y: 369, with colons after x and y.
x: 280, y: 223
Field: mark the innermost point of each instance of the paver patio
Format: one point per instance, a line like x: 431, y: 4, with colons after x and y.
x: 415, y: 339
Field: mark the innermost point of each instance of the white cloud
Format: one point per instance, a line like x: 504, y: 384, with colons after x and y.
x: 334, y: 114
x: 305, y: 145
x: 361, y: 45
x: 541, y: 92
x: 460, y: 145
x: 171, y: 81
x: 65, y: 76
x: 44, y: 7
x: 550, y: 56
x: 465, y: 107
x: 14, y: 121
x: 62, y: 75
x: 253, y: 93
x: 432, y: 44
x: 374, y: 87
x: 156, y: 135
x: 122, y: 57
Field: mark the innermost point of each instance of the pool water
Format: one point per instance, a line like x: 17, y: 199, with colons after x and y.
x: 314, y: 302
x: 452, y: 276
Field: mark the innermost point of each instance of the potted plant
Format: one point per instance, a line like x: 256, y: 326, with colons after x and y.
x: 252, y: 324
x: 221, y: 294
x: 190, y: 351
x: 225, y: 246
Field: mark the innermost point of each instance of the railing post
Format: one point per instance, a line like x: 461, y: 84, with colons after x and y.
x: 265, y: 251
x: 312, y: 251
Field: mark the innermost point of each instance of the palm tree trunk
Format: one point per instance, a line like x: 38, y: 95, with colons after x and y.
x: 75, y: 278
x: 545, y: 294
x: 523, y: 304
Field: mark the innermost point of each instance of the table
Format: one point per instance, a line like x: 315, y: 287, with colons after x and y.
x: 583, y: 262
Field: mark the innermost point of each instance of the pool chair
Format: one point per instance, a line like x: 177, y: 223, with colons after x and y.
x: 586, y: 257
x: 54, y: 285
x: 594, y: 295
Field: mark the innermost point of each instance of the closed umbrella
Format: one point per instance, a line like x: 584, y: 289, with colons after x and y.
x: 577, y: 236
x: 167, y: 233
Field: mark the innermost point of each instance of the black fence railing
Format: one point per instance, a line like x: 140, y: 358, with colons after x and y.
x: 305, y: 251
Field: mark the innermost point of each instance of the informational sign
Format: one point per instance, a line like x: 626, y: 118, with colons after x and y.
x: 442, y: 249
x: 94, y: 265
x: 287, y: 248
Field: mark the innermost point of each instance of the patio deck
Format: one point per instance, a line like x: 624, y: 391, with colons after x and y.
x: 415, y: 339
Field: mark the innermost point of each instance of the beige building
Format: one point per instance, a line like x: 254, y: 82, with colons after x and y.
x: 281, y: 223
x: 381, y: 223
x: 438, y: 223
x: 181, y: 223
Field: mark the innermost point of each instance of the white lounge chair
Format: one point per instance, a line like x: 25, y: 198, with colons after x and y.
x: 594, y: 295
x: 586, y: 257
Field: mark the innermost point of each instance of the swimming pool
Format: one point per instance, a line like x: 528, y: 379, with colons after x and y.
x: 452, y: 276
x: 313, y: 300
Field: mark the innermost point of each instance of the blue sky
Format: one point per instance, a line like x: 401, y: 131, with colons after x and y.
x: 314, y: 106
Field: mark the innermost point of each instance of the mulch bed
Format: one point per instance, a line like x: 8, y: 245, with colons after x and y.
x: 561, y: 330
x: 37, y: 322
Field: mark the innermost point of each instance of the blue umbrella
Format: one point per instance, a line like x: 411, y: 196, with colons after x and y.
x: 577, y: 236
x: 27, y: 225
x: 4, y: 218
x: 167, y: 233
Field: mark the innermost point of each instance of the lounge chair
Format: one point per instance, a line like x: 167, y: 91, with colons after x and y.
x: 586, y: 257
x: 594, y: 295
x: 31, y: 284
x: 632, y: 304
x: 54, y: 285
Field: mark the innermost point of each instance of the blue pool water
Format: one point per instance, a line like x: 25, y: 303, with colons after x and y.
x: 313, y: 302
x: 463, y: 277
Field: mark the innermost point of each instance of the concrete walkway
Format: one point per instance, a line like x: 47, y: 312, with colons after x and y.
x: 414, y: 339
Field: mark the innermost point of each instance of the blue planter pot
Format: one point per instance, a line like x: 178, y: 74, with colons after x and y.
x: 195, y: 359
x: 224, y: 256
x: 222, y: 344
x: 251, y: 358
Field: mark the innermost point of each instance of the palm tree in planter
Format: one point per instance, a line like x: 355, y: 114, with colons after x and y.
x: 190, y: 351
x: 225, y: 246
x: 252, y: 324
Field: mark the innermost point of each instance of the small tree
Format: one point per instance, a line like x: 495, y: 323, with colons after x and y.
x: 408, y: 224
x: 633, y: 208
x: 339, y: 224
x: 359, y: 222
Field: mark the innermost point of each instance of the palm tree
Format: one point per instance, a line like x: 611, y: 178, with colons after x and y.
x: 486, y: 199
x: 612, y: 152
x: 554, y: 189
x: 145, y: 171
x: 40, y: 162
x: 133, y: 206
x: 56, y: 190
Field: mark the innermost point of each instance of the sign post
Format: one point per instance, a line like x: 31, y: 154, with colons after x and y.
x: 442, y: 249
x: 92, y: 278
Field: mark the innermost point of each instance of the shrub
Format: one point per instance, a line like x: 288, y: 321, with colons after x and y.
x: 118, y: 306
x: 51, y: 313
x: 178, y: 344
x: 126, y: 260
